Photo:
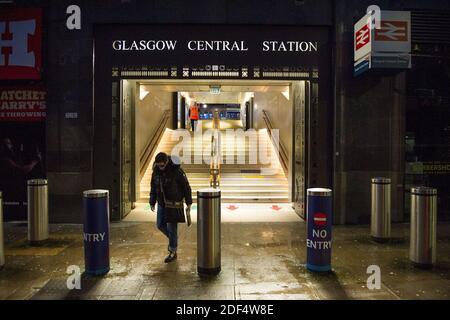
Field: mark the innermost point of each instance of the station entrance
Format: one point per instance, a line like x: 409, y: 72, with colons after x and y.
x: 260, y: 129
x: 271, y: 94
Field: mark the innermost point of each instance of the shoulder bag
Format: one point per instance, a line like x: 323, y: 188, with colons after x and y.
x: 173, y: 210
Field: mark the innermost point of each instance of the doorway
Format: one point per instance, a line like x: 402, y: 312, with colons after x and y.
x: 309, y: 153
x: 155, y: 111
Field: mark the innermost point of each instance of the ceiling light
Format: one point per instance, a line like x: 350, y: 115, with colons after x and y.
x: 286, y: 93
x: 142, y: 92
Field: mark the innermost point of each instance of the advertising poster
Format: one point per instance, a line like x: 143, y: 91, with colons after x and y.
x: 22, y: 143
x: 21, y: 43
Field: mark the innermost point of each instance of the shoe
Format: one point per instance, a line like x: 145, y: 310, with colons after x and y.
x: 171, y: 257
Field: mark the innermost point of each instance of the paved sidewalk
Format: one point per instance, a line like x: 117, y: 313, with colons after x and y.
x: 259, y: 261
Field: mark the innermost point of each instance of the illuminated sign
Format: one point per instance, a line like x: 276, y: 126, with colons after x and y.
x: 214, y: 89
x: 387, y: 47
x: 436, y: 167
x: 431, y: 167
x: 212, y: 51
x: 213, y: 45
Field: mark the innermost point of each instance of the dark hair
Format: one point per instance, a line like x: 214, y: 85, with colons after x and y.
x: 161, y: 157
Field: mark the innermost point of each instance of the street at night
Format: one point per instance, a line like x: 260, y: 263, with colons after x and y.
x: 262, y: 261
x: 216, y: 159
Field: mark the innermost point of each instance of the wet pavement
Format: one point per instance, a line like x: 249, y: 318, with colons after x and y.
x: 259, y: 261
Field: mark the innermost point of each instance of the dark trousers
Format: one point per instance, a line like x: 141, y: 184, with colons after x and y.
x: 170, y: 230
x: 193, y: 124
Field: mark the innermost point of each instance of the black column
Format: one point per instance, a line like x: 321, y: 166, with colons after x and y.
x: 183, y: 113
x: 174, y: 110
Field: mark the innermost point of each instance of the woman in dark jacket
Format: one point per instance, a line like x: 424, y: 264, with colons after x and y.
x: 175, y: 187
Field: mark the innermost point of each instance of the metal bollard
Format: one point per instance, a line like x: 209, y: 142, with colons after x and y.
x: 2, y: 246
x: 380, y: 226
x: 208, y: 231
x: 37, y: 199
x: 96, y: 231
x: 422, y: 249
x: 319, y: 219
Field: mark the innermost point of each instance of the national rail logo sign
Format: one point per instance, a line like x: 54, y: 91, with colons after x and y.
x: 20, y: 44
x: 392, y: 31
x: 362, y: 37
x: 387, y: 46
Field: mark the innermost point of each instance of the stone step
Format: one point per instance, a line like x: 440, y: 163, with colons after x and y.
x: 235, y: 152
x: 256, y: 166
x: 244, y: 182
x: 239, y: 182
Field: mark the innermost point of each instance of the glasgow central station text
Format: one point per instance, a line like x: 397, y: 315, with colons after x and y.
x: 213, y: 45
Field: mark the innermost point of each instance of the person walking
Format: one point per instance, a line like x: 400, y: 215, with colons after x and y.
x: 169, y: 186
x: 193, y: 115
x: 15, y: 170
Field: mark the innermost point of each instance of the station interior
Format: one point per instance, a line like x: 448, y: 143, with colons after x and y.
x: 155, y: 118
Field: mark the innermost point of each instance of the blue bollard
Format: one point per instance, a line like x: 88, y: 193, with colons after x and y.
x: 319, y: 220
x: 96, y: 231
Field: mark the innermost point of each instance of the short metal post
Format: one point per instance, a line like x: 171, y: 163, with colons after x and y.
x: 96, y: 231
x: 380, y: 227
x: 208, y: 231
x: 422, y: 250
x: 320, y: 220
x: 37, y: 204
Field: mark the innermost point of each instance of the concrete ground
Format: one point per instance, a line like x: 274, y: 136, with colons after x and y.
x: 264, y: 260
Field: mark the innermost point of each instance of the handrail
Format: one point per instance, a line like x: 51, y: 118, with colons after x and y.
x: 214, y: 167
x: 150, y: 148
x: 282, y: 154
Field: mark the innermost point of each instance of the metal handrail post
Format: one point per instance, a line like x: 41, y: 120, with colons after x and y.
x: 215, y: 153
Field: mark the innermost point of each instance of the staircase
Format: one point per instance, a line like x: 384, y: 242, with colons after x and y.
x: 238, y: 182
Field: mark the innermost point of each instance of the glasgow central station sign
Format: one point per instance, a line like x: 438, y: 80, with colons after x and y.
x: 213, y: 45
x: 211, y: 51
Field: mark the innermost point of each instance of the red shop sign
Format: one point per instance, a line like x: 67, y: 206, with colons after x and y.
x: 20, y: 44
x: 23, y: 103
